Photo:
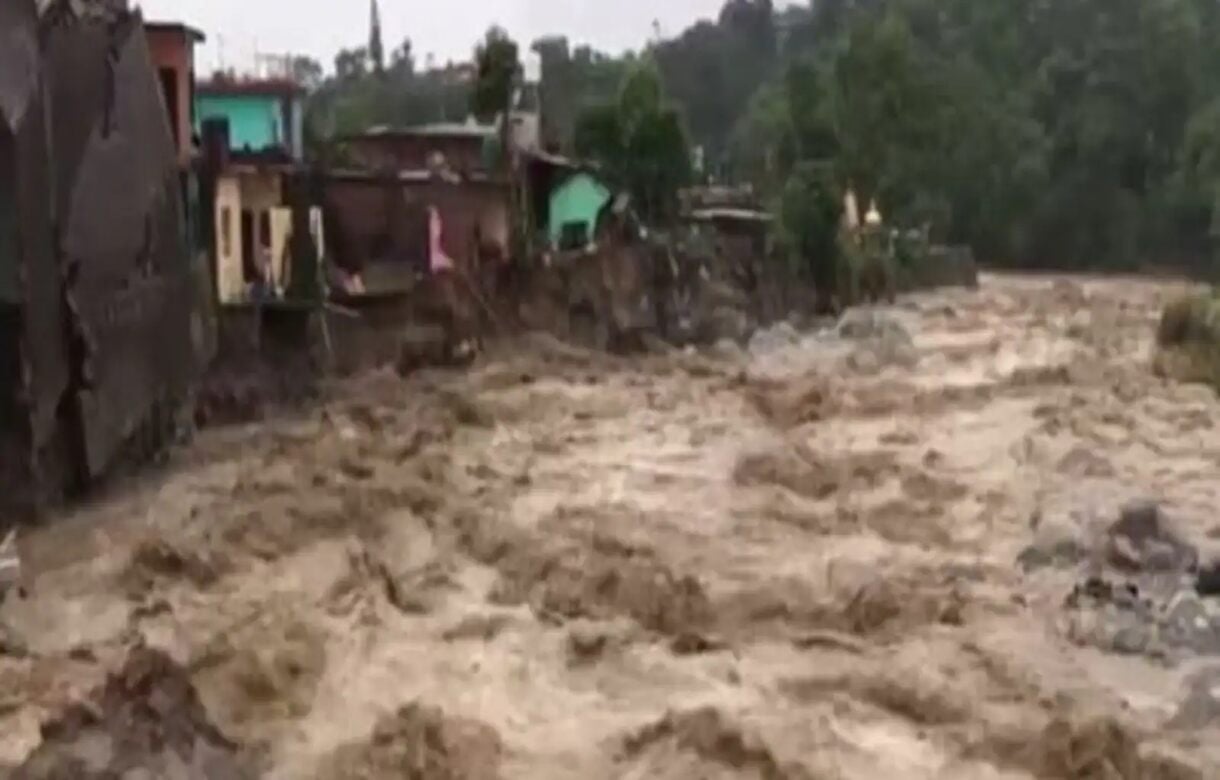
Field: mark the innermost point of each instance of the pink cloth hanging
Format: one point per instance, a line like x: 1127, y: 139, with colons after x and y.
x: 440, y: 260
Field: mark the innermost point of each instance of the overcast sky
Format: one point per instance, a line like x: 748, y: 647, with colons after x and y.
x: 448, y: 29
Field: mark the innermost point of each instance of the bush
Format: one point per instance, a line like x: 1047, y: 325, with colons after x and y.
x: 1189, y: 319
x: 1189, y: 337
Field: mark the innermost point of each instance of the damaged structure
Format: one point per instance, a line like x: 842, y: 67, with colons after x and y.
x: 415, y: 201
x: 251, y: 178
x: 104, y: 335
x: 473, y: 238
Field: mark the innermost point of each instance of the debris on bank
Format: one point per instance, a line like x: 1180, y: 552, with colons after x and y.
x: 1142, y: 587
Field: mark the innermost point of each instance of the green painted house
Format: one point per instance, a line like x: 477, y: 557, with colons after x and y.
x: 262, y: 116
x: 574, y: 208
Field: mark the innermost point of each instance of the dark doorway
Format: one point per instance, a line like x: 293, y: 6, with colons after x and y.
x: 249, y: 262
x: 169, y: 89
x: 10, y: 298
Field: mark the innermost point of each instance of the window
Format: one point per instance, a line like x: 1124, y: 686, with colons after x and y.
x: 249, y: 262
x: 169, y: 91
x: 226, y: 232
x: 264, y: 229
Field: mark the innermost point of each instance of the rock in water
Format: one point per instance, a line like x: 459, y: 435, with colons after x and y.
x: 1207, y: 583
x: 1143, y: 539
x: 147, y: 721
x: 1189, y: 625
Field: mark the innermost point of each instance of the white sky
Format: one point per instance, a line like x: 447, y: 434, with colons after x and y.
x: 448, y: 29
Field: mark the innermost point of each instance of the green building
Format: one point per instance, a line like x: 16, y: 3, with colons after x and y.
x: 574, y: 208
x: 263, y: 116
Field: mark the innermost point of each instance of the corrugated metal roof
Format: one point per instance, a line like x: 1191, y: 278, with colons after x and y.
x: 434, y: 130
x: 736, y: 215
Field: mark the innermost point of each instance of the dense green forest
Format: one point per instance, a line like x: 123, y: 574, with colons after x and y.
x: 1044, y: 133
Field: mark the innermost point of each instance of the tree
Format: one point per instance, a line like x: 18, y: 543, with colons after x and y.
x: 713, y: 69
x: 307, y: 72
x: 763, y: 145
x: 641, y: 144
x: 573, y: 80
x: 811, y: 210
x: 402, y: 60
x: 376, y: 50
x: 599, y: 135
x: 1049, y: 134
x: 497, y: 70
x: 351, y: 64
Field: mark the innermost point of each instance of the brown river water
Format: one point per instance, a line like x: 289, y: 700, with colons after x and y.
x: 798, y: 560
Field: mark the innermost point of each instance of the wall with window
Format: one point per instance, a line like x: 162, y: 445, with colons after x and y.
x: 230, y: 281
x: 173, y: 55
x: 247, y: 237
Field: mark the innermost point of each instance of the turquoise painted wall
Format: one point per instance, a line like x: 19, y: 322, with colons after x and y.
x: 579, y: 199
x: 255, y: 121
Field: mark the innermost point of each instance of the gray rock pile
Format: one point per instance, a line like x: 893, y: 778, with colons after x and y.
x: 1142, y: 587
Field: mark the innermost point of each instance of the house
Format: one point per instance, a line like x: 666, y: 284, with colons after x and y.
x: 172, y: 48
x: 574, y: 207
x: 253, y: 212
x: 263, y: 117
x: 462, y: 147
x: 737, y: 232
x: 392, y: 228
x: 255, y: 189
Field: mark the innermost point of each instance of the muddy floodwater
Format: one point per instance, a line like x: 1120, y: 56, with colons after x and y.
x: 884, y: 547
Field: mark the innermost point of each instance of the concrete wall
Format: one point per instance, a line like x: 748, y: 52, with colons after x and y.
x: 254, y: 192
x: 411, y: 153
x: 261, y: 193
x: 230, y: 281
x: 173, y: 49
x: 281, y: 232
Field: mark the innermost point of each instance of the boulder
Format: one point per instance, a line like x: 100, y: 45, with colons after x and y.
x: 1143, y: 539
x: 1207, y: 582
x: 1189, y: 625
